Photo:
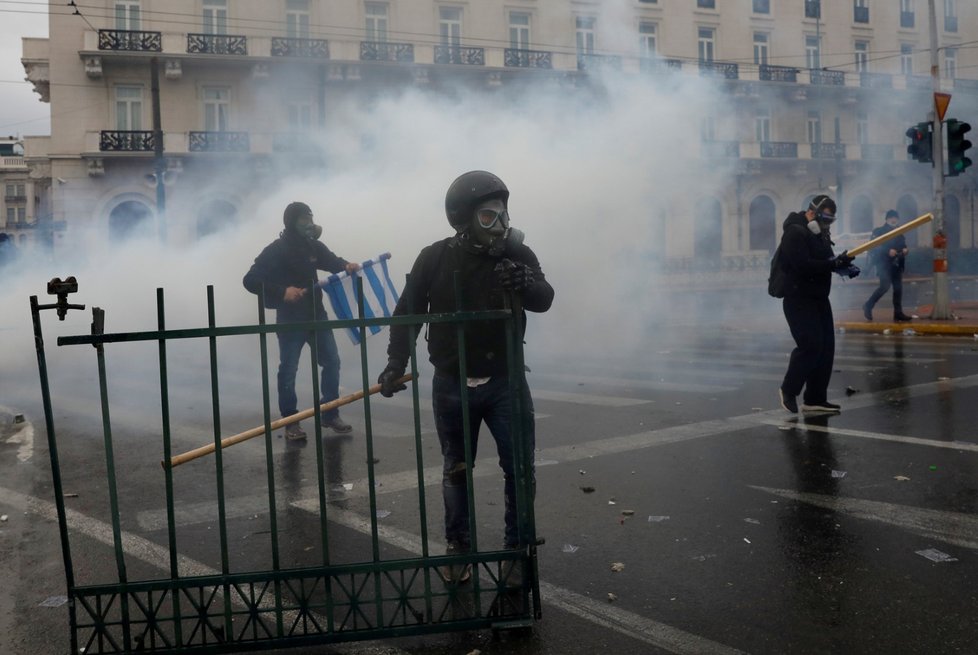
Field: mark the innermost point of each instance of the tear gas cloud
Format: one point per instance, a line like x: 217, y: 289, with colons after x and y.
x: 587, y: 171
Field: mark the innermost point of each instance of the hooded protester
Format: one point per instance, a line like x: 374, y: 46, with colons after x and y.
x: 286, y: 268
x: 491, y: 261
x: 808, y: 260
x: 889, y: 261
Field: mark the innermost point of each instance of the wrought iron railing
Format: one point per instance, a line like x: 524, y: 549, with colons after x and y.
x: 519, y: 58
x: 217, y: 44
x: 15, y: 199
x: 295, y: 47
x: 711, y: 148
x: 591, y: 62
x: 723, y: 69
x: 786, y: 149
x: 126, y: 141
x: 770, y: 73
x: 827, y: 78
x: 876, y: 151
x: 133, y: 40
x: 457, y: 54
x: 875, y: 80
x: 219, y: 142
x: 828, y: 151
x: 384, y: 51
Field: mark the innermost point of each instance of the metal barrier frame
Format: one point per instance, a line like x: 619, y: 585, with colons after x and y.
x: 285, y: 607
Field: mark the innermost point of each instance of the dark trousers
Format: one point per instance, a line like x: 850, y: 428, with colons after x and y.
x: 490, y: 402
x: 889, y: 276
x: 290, y: 348
x: 810, y: 366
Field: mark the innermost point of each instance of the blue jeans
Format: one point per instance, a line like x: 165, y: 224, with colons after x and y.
x: 490, y: 402
x: 289, y: 349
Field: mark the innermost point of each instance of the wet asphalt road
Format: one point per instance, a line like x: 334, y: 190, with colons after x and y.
x: 747, y: 530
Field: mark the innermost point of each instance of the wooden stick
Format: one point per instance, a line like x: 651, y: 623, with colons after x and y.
x: 906, y: 227
x: 183, y: 458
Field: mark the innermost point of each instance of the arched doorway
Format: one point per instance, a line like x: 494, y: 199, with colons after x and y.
x: 952, y: 222
x: 130, y: 219
x: 861, y: 216
x: 707, y: 229
x: 763, y: 224
x: 215, y: 216
x: 907, y: 208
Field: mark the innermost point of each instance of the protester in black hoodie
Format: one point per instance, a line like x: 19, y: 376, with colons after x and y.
x: 287, y: 268
x: 806, y: 254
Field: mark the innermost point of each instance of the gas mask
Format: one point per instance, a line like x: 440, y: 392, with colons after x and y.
x: 491, y: 230
x: 305, y: 227
x: 822, y: 223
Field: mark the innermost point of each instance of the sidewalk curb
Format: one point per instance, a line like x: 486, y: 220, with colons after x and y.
x: 955, y: 329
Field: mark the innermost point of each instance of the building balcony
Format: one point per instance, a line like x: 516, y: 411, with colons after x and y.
x: 821, y: 77
x: 15, y: 161
x: 719, y: 149
x: 219, y: 142
x: 592, y: 62
x: 295, y: 47
x: 518, y: 58
x: 828, y: 151
x: 130, y: 40
x: 126, y: 141
x: 875, y: 80
x: 384, y: 51
x: 779, y: 149
x: 15, y: 200
x: 876, y: 151
x: 722, y: 69
x: 217, y: 44
x: 769, y: 73
x: 907, y: 19
x: 457, y: 54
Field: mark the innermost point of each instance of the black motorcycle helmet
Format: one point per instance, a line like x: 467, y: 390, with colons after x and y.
x: 467, y: 191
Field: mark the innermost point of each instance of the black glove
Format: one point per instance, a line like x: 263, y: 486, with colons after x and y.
x: 850, y: 271
x: 388, y: 379
x: 842, y: 260
x: 514, y: 276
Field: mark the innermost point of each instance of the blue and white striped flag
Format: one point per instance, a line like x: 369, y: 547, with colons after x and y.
x: 379, y: 294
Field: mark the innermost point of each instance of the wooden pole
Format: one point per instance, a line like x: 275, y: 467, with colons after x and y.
x: 183, y: 458
x: 906, y: 227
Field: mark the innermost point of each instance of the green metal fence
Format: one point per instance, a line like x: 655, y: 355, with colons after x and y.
x: 381, y: 596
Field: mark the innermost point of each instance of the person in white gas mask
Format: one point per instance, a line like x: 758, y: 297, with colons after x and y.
x: 808, y: 260
x: 287, y: 269
x: 491, y: 261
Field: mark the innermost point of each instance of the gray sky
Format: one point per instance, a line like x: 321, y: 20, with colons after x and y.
x: 21, y: 111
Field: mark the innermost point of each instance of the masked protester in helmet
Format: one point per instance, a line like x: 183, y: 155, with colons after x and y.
x: 494, y: 267
x: 808, y: 260
x: 287, y: 269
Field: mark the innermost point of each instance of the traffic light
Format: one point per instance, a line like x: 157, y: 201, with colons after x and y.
x: 957, y: 145
x: 921, y: 143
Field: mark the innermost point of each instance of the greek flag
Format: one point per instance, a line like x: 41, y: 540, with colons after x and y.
x: 379, y: 294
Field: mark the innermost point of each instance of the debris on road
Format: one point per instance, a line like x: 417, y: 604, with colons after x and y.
x: 612, y: 597
x: 617, y: 567
x: 569, y: 548
x: 838, y: 474
x: 658, y: 519
x: 54, y: 601
x: 3, y: 519
x: 935, y: 555
x: 753, y: 521
x: 851, y: 390
x: 901, y: 478
x: 628, y: 512
x: 587, y: 490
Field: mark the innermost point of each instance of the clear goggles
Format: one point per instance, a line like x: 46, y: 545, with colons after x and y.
x: 489, y: 217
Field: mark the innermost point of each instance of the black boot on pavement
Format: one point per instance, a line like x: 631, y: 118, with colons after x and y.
x: 868, y: 313
x: 337, y: 425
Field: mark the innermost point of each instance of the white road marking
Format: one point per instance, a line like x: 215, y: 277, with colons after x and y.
x: 950, y: 527
x: 635, y: 383
x: 25, y: 438
x: 933, y: 443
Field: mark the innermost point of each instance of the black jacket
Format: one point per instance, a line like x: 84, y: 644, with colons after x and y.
x: 807, y: 258
x: 881, y: 255
x: 431, y: 289
x: 292, y: 261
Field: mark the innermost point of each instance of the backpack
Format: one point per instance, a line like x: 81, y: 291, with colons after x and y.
x: 778, y: 281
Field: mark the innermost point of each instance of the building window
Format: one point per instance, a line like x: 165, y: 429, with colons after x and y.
x: 215, y: 17
x: 450, y: 25
x: 906, y: 13
x: 862, y: 127
x: 906, y: 59
x: 585, y: 35
x: 11, y: 215
x: 762, y: 125
x: 950, y: 15
x: 762, y: 6
x: 706, y: 37
x: 519, y: 30
x: 860, y: 11
x: 216, y: 105
x: 300, y: 116
x: 128, y: 108
x: 812, y: 52
x: 646, y: 39
x: 706, y: 4
x: 377, y: 21
x: 708, y: 128
x: 862, y: 56
x: 950, y: 63
x: 760, y: 48
x: 297, y: 19
x: 814, y: 127
x: 127, y: 15
x: 813, y: 8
